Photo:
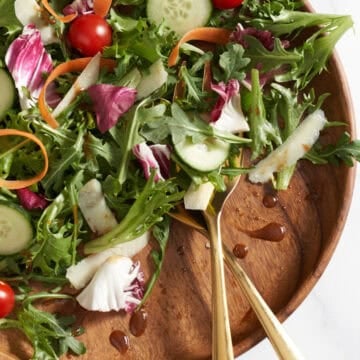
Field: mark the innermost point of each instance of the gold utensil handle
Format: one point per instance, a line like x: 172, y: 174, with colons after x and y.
x: 222, y: 348
x: 281, y: 342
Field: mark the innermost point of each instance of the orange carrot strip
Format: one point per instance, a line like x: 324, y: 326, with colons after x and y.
x: 102, y: 7
x: 66, y: 67
x: 19, y: 184
x: 64, y: 19
x: 212, y: 35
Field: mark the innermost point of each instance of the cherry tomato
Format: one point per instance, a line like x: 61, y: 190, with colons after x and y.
x: 227, y: 4
x: 7, y: 299
x: 89, y: 34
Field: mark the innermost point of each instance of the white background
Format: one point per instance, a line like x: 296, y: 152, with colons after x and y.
x: 327, y: 324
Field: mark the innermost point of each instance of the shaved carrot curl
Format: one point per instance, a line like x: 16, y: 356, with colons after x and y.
x: 64, y: 19
x: 209, y: 34
x: 102, y: 7
x: 66, y: 67
x: 19, y: 184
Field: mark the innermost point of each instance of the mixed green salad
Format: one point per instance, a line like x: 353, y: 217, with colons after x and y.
x: 113, y: 113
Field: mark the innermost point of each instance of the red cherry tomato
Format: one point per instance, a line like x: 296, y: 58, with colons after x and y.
x: 227, y: 4
x: 7, y: 299
x: 89, y: 34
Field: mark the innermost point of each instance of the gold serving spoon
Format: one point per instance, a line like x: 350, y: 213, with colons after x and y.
x: 221, y: 337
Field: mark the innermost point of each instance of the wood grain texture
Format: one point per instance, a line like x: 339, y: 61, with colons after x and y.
x: 313, y: 210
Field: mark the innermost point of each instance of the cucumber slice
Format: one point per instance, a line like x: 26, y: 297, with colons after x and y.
x: 7, y: 92
x: 204, y: 157
x: 180, y: 15
x: 16, y: 231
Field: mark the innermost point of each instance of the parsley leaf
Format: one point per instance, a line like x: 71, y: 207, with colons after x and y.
x: 233, y: 62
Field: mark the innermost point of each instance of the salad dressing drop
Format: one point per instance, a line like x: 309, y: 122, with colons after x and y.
x: 240, y: 250
x: 270, y: 200
x: 120, y: 341
x: 273, y: 231
x: 138, y: 322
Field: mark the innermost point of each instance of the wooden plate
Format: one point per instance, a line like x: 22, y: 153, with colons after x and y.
x: 313, y: 211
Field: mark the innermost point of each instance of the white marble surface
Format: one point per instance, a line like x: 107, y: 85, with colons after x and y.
x: 327, y: 324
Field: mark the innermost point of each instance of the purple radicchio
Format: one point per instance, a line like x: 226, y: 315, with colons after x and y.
x: 30, y: 200
x: 156, y: 157
x: 80, y: 7
x: 28, y: 61
x: 109, y: 103
x: 264, y: 36
x: 227, y: 114
x: 117, y: 285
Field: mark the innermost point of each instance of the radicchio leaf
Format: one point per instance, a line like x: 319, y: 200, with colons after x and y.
x: 28, y: 61
x: 227, y: 114
x: 226, y: 92
x: 137, y: 289
x: 118, y: 284
x: 80, y: 7
x: 154, y: 157
x: 264, y: 36
x: 30, y: 200
x: 110, y: 102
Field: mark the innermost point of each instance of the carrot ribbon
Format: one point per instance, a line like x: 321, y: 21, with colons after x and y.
x: 208, y: 34
x: 102, y: 7
x: 19, y: 184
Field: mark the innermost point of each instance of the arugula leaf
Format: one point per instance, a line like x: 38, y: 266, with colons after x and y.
x: 161, y: 232
x: 61, y: 160
x: 262, y: 132
x: 154, y: 201
x: 97, y: 150
x: 310, y: 58
x: 344, y: 150
x: 57, y: 232
x: 233, y: 62
x: 49, y: 335
x: 316, y: 51
x: 285, y: 22
x: 269, y: 59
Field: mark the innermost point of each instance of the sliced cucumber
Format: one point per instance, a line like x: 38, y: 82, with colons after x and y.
x: 16, y: 231
x: 8, y: 92
x: 180, y: 16
x: 204, y: 157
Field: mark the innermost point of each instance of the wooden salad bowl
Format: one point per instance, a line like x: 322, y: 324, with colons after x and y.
x: 313, y: 211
